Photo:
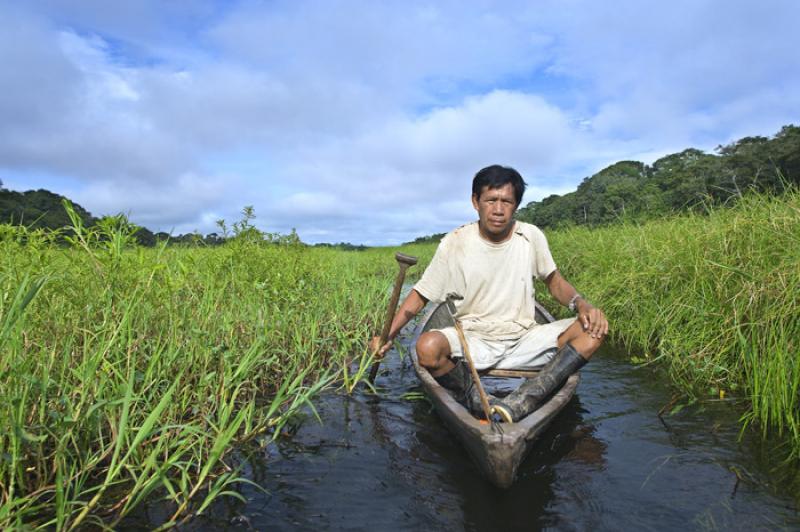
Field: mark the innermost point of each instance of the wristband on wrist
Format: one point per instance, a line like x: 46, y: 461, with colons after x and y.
x: 572, y: 305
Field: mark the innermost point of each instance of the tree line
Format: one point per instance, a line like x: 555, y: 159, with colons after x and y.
x: 689, y: 180
x: 43, y: 209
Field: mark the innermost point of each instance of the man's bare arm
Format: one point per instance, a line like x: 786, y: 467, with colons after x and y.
x: 413, y: 303
x: 593, y: 320
x: 560, y: 288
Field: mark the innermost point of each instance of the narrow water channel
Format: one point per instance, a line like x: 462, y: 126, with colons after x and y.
x: 608, y: 462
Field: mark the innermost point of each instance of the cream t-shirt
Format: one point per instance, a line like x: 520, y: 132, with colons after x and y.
x: 491, y: 284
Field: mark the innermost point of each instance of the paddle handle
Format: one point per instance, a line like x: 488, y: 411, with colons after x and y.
x: 475, y: 377
x: 403, y: 261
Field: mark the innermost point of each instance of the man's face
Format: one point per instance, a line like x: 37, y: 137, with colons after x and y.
x: 495, y: 208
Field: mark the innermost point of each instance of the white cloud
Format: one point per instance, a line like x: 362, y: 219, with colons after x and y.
x: 414, y: 167
x: 391, y: 47
x: 440, y: 151
x: 650, y: 66
x: 190, y: 202
x: 363, y: 121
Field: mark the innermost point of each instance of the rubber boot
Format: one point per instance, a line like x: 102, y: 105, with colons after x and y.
x: 459, y: 382
x: 534, y: 391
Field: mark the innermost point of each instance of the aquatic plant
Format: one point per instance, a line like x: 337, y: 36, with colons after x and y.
x: 129, y: 374
x: 712, y: 298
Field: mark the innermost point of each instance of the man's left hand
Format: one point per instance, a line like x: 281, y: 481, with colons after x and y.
x: 592, y: 319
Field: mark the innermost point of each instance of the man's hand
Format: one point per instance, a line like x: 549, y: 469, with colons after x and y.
x: 375, y: 344
x: 592, y: 319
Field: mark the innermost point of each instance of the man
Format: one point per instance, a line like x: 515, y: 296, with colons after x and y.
x: 486, y: 268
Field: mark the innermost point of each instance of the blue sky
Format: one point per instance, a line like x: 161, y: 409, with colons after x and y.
x: 365, y: 121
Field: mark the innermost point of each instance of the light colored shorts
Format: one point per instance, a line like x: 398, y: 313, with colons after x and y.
x: 533, y: 350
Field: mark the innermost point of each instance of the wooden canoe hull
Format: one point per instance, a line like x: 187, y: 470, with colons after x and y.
x: 497, y: 453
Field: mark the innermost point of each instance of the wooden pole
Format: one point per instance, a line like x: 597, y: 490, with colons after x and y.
x: 475, y: 377
x: 403, y: 261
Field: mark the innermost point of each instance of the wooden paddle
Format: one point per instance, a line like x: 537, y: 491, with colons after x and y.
x: 468, y: 357
x: 404, y: 261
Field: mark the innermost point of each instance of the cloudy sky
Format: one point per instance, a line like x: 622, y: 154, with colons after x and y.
x: 365, y: 121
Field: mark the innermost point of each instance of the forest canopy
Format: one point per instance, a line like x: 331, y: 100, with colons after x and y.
x: 689, y: 180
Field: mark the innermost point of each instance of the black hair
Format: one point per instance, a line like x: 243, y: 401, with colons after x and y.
x: 496, y: 176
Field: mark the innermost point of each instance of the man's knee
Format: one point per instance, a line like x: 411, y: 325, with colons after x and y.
x: 432, y: 349
x: 581, y: 340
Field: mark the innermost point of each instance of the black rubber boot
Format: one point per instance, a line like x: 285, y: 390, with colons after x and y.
x: 459, y: 382
x: 534, y: 391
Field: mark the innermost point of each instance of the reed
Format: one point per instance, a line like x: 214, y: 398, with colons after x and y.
x: 129, y: 373
x: 713, y: 298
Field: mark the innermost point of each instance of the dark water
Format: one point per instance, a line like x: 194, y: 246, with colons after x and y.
x: 607, y: 463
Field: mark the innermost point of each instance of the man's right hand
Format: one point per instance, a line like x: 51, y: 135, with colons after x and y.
x: 375, y: 347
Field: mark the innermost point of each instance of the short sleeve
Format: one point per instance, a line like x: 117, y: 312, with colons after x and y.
x: 543, y: 263
x: 434, y: 283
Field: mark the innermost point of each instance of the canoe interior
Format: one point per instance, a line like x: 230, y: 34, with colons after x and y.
x: 497, y: 452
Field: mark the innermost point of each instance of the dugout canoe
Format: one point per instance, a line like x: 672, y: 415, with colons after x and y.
x: 497, y: 453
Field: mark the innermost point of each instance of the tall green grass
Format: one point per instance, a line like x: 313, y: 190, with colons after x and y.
x: 130, y: 373
x: 713, y: 298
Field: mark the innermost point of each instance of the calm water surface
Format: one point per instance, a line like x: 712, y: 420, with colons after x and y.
x: 608, y: 462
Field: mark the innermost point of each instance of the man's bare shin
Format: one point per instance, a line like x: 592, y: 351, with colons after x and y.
x: 581, y: 340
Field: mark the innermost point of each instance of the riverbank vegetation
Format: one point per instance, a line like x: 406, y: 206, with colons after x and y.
x: 129, y: 373
x: 713, y: 298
